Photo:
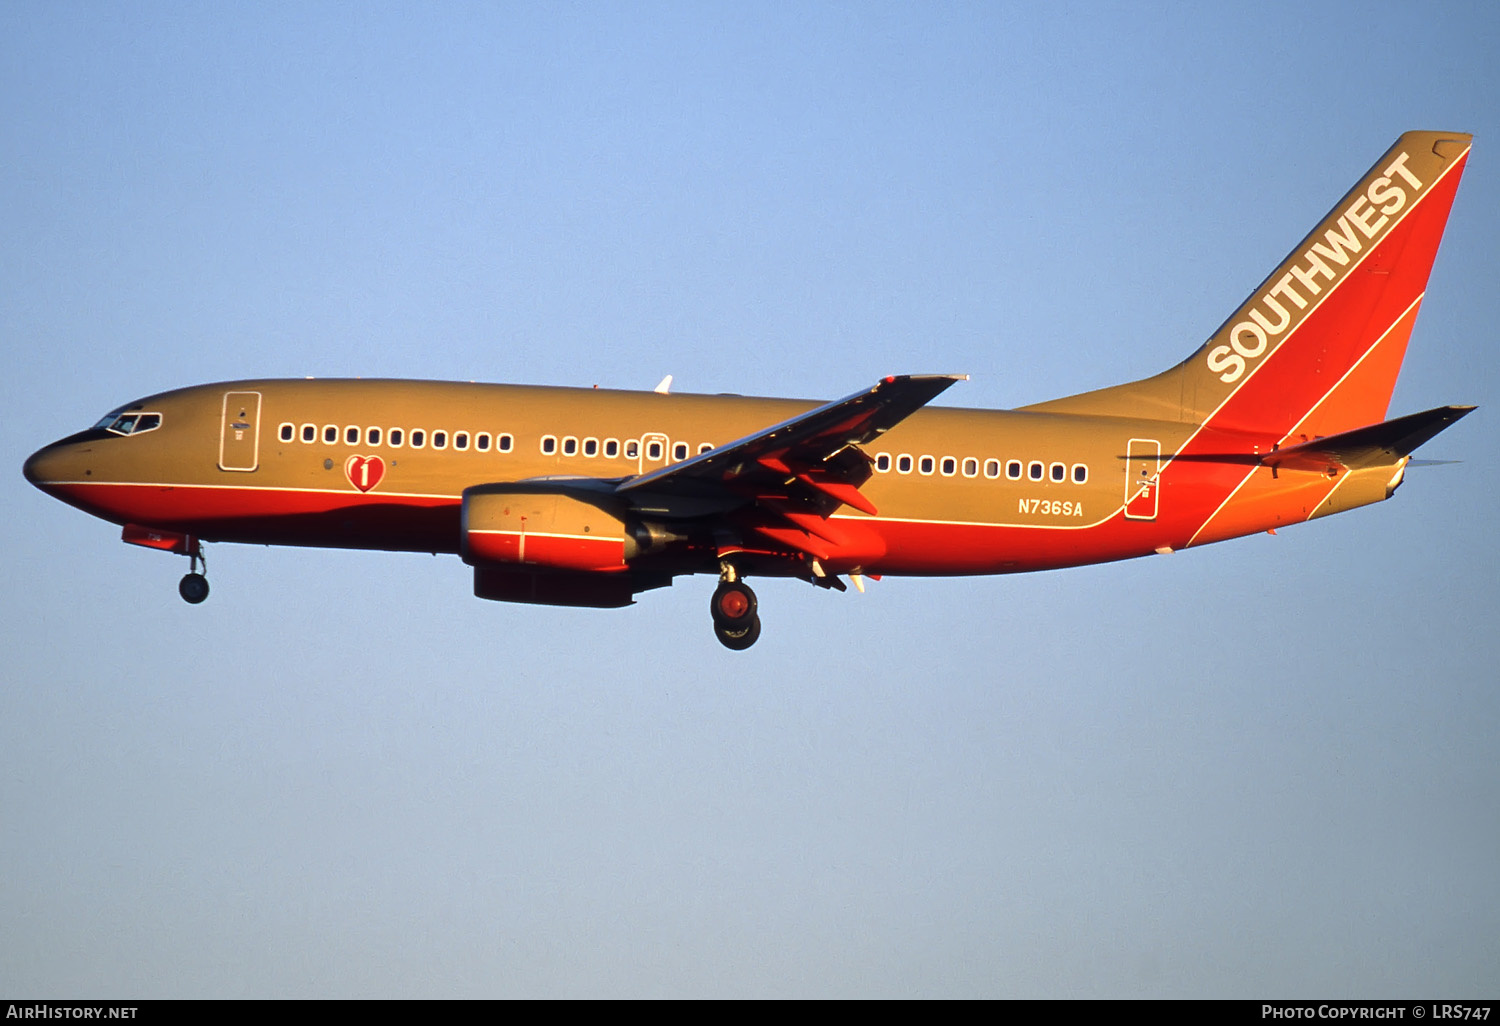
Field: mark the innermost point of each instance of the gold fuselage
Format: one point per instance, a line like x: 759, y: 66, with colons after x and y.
x: 945, y: 485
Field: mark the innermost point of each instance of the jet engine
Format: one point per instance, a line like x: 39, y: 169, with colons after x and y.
x: 546, y: 525
x: 558, y: 544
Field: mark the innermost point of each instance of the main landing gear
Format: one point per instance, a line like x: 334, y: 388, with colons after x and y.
x: 736, y: 623
x: 194, y: 586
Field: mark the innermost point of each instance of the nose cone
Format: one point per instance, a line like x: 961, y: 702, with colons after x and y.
x: 56, y: 463
x: 66, y: 459
x: 40, y: 468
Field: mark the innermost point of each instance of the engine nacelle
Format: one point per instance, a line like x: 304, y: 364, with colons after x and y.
x: 545, y: 525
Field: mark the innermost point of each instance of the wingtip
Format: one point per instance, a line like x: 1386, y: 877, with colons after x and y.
x: 938, y: 381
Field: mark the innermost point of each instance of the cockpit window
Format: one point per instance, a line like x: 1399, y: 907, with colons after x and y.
x: 131, y: 423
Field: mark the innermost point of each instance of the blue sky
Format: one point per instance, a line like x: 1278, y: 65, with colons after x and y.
x: 1262, y: 768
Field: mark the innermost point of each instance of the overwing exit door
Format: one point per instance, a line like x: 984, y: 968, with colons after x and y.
x: 653, y: 454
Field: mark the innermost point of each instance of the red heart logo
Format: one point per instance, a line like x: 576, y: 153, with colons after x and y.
x: 364, y: 472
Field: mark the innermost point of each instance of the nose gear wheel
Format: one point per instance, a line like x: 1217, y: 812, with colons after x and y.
x: 194, y: 585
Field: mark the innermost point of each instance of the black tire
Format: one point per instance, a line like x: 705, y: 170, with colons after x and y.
x: 733, y: 605
x: 738, y: 638
x: 193, y: 588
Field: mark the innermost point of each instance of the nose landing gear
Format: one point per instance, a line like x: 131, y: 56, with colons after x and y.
x: 194, y: 586
x: 736, y: 623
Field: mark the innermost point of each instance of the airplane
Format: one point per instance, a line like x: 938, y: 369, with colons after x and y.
x: 590, y: 497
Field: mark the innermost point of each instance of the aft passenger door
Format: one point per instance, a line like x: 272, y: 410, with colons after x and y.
x: 239, y: 431
x: 1142, y: 470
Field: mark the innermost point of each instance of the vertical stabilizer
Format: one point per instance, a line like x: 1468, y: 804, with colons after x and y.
x: 1320, y: 342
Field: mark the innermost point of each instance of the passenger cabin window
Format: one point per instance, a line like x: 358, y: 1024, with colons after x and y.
x: 1080, y: 474
x: 1059, y: 472
x: 925, y: 465
x: 903, y: 464
x: 570, y: 446
x: 680, y: 452
x: 309, y: 432
x: 549, y: 445
x: 971, y: 467
x: 288, y: 432
x: 991, y: 469
x: 395, y: 435
x: 504, y: 443
x: 440, y: 439
x: 653, y: 451
x: 461, y: 440
x: 632, y: 449
x: 331, y: 434
x: 373, y: 436
x: 1013, y: 470
x: 482, y: 442
x: 949, y: 466
x: 1036, y: 471
x: 418, y: 438
x: 883, y: 462
x: 351, y: 436
x: 704, y: 447
x: 611, y: 448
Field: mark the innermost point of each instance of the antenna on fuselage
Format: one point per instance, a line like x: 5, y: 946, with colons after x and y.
x: 665, y: 386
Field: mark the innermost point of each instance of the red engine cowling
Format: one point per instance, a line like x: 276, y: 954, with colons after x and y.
x: 544, y: 527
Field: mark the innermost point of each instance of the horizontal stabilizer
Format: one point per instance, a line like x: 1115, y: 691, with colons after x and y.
x: 1367, y: 446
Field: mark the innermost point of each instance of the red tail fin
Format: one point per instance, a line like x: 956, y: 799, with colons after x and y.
x: 1316, y: 349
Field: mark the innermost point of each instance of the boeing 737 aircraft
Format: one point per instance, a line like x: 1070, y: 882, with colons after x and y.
x: 588, y: 497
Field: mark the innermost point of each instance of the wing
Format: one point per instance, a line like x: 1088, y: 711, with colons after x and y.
x: 793, y: 475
